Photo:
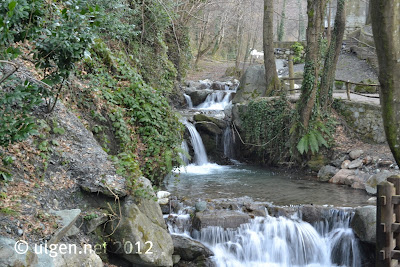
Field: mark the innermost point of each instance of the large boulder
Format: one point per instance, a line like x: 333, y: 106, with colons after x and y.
x: 326, y: 173
x: 88, y: 162
x: 208, y: 127
x: 218, y: 86
x: 252, y: 84
x: 222, y: 218
x: 83, y: 257
x: 15, y: 254
x: 142, y: 221
x: 197, y: 96
x: 66, y: 221
x: 10, y: 255
x: 201, y: 117
x: 374, y: 180
x: 189, y: 249
x: 364, y: 223
x: 353, y: 178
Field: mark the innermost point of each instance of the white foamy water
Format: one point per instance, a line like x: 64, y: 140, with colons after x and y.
x: 188, y: 100
x: 271, y: 241
x: 209, y: 168
x: 217, y: 100
x: 200, y: 155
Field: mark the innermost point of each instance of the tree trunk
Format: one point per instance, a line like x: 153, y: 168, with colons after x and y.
x: 202, y: 52
x: 332, y: 56
x: 315, y: 11
x: 271, y: 76
x: 239, y: 39
x: 329, y: 30
x: 301, y: 22
x: 385, y: 17
x: 281, y: 30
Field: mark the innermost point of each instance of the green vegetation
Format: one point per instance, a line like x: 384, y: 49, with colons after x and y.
x: 266, y: 127
x: 74, y: 39
x: 339, y: 85
x: 143, y: 124
x: 297, y: 49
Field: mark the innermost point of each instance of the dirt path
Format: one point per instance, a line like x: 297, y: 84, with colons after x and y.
x: 349, y: 68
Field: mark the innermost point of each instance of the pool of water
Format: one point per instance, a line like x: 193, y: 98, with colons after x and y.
x: 216, y: 181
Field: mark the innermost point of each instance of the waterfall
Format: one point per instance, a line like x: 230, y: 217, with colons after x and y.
x: 200, y: 156
x: 217, y: 100
x: 188, y: 100
x: 228, y: 143
x: 280, y: 241
x: 183, y: 155
x: 343, y: 244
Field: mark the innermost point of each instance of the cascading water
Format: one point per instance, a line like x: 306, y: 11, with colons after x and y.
x: 228, y: 143
x: 188, y: 100
x: 216, y: 101
x: 271, y: 241
x: 200, y: 156
x: 183, y: 156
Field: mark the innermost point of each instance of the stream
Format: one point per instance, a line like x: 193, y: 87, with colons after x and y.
x: 264, y: 241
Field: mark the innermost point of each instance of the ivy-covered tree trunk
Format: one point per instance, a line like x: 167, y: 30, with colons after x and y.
x: 332, y: 56
x: 385, y: 17
x: 271, y: 76
x: 281, y: 30
x: 315, y: 11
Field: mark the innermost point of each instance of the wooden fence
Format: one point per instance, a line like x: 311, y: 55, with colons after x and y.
x: 347, y: 84
x: 388, y: 223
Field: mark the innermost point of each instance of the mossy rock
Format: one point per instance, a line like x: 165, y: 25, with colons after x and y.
x: 317, y: 162
x: 201, y: 117
x: 233, y: 72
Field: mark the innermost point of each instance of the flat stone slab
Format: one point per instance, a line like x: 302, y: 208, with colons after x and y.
x: 66, y: 221
x: 222, y: 218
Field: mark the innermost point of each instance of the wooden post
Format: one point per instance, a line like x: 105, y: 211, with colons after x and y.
x: 348, y: 90
x: 291, y: 75
x: 385, y: 243
x: 395, y: 180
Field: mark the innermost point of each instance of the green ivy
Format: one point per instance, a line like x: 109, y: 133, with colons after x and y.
x: 297, y: 49
x: 266, y: 126
x: 139, y: 114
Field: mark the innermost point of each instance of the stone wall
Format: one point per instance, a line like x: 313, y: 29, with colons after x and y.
x: 364, y: 119
x: 356, y: 14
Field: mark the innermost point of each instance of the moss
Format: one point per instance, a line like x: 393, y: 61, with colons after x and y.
x: 317, y: 162
x: 365, y: 89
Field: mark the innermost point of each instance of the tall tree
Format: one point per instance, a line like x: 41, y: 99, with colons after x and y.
x: 385, y: 17
x: 332, y: 56
x: 271, y: 75
x: 301, y: 22
x: 305, y: 132
x: 281, y: 30
x: 315, y: 10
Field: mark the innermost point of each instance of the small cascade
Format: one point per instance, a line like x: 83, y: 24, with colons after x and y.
x: 183, y: 156
x: 229, y: 151
x: 200, y: 156
x: 217, y: 100
x: 188, y: 100
x: 279, y: 241
x: 343, y: 244
x: 179, y: 224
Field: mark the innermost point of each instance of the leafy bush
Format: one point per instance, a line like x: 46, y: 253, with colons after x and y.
x: 60, y: 38
x: 297, y: 49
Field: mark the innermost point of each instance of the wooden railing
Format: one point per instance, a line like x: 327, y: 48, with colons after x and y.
x: 348, y: 84
x: 388, y: 223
